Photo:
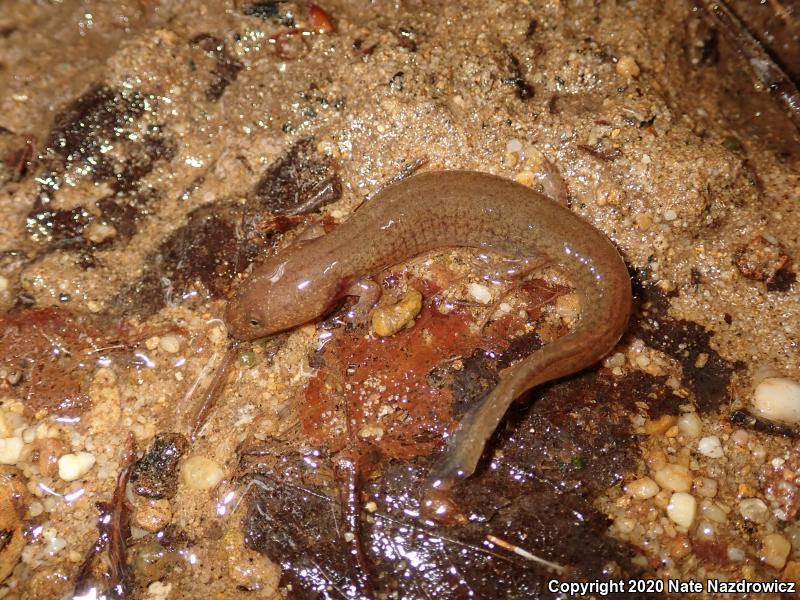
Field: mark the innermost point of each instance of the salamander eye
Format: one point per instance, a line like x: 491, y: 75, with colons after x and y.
x: 254, y: 322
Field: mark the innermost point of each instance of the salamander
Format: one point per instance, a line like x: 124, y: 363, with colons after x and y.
x: 438, y: 210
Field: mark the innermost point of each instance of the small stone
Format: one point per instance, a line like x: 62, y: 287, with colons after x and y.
x: 792, y: 572
x: 514, y: 145
x: 627, y: 66
x: 711, y: 447
x: 644, y: 221
x: 690, y: 425
x: 642, y: 489
x: 711, y: 510
x: 670, y: 215
x: 6, y: 428
x: 706, y: 487
x: 201, y: 473
x: 682, y: 509
x: 754, y: 509
x: 660, y: 425
x: 480, y: 293
x: 740, y: 437
x: 170, y: 343
x: 50, y: 450
x: 74, y: 466
x: 735, y: 554
x: 153, y: 515
x: 778, y: 399
x: 98, y: 232
x: 673, y: 477
x: 774, y: 550
x: 526, y: 178
x: 615, y: 360
x: 10, y: 450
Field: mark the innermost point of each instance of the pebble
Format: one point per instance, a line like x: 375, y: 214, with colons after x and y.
x: 778, y: 399
x: 170, y: 343
x: 153, y: 515
x: 35, y: 509
x: 792, y: 572
x: 690, y: 425
x: 740, y: 437
x: 615, y: 360
x: 735, y: 554
x: 775, y: 550
x: 74, y: 466
x: 660, y: 425
x: 513, y: 145
x: 643, y: 488
x: 754, y: 509
x: 10, y: 450
x: 676, y: 478
x: 480, y: 293
x: 711, y: 447
x: 712, y: 511
x: 627, y: 66
x: 526, y: 178
x: 682, y: 508
x: 6, y: 428
x: 201, y: 473
x: 706, y: 487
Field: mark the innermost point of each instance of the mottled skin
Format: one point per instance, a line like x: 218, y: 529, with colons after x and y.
x: 438, y: 210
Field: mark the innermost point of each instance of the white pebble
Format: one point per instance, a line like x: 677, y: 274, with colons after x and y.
x: 55, y: 545
x: 10, y: 450
x: 74, y: 466
x: 711, y: 510
x: 754, y: 509
x: 201, y: 473
x: 615, y: 360
x: 29, y: 435
x: 643, y: 488
x: 673, y: 477
x: 682, y: 508
x: 711, y: 447
x: 706, y: 487
x: 690, y: 425
x: 670, y: 215
x: 170, y: 343
x: 735, y: 554
x: 513, y: 145
x: 778, y: 399
x: 480, y: 293
x: 740, y: 437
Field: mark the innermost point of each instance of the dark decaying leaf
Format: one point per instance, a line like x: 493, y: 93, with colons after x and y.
x: 534, y: 489
x: 201, y: 258
x: 105, y: 135
x: 705, y: 373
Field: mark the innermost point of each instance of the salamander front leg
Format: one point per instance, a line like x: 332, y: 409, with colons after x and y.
x: 368, y: 293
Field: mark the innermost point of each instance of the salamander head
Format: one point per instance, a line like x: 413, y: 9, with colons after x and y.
x: 282, y: 293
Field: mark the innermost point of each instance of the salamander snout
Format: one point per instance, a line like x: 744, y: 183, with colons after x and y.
x: 243, y: 322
